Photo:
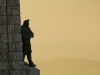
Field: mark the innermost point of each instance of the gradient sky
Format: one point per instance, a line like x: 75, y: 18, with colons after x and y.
x: 63, y: 28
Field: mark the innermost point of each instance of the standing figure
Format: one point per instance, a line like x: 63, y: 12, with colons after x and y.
x: 27, y: 34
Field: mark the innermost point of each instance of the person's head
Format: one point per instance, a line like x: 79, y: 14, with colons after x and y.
x: 26, y: 22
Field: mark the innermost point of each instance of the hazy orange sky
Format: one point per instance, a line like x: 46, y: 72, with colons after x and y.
x: 63, y: 28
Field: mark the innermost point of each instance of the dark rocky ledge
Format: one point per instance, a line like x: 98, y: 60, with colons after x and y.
x: 31, y: 70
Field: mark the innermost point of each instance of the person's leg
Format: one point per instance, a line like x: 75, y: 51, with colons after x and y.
x: 29, y: 58
x: 23, y: 56
x: 31, y: 64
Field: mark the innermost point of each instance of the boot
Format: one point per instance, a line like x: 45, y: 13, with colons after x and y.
x: 31, y: 64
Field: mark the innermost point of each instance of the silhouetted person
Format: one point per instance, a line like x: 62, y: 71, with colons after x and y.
x: 27, y: 34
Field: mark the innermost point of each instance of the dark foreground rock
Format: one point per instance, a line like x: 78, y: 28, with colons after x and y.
x: 31, y: 70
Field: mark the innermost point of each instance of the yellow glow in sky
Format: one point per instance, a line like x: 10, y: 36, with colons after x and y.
x: 63, y: 28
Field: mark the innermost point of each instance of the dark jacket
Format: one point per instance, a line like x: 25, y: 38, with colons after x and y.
x: 27, y: 34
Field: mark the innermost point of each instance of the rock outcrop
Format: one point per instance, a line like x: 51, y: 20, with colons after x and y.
x: 31, y: 70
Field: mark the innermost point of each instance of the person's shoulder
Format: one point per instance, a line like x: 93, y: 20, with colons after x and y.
x: 22, y: 26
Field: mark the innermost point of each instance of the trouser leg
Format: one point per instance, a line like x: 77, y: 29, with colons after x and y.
x: 23, y: 56
x: 30, y: 61
x: 29, y: 58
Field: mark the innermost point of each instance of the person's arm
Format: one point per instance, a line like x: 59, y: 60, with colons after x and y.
x: 32, y: 34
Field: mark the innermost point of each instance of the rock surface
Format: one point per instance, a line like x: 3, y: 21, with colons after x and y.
x: 31, y: 70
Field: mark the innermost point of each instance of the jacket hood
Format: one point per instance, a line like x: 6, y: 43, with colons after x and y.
x: 26, y: 23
